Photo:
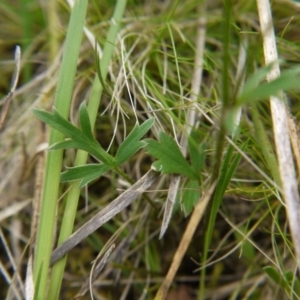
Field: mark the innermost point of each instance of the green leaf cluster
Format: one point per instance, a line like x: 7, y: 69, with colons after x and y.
x: 84, y: 139
x: 169, y: 157
x: 170, y: 160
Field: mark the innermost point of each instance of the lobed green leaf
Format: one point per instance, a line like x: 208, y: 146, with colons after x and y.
x: 85, y: 123
x: 59, y: 123
x: 132, y: 143
x: 78, y: 139
x: 170, y: 158
x: 86, y: 173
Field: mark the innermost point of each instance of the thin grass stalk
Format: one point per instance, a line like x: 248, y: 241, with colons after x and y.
x: 81, y: 158
x: 279, y: 111
x: 54, y: 159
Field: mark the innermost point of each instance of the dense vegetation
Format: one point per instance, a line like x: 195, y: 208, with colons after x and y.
x: 158, y: 115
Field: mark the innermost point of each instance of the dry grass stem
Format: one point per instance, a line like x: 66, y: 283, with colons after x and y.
x: 295, y: 140
x: 185, y: 241
x: 105, y: 215
x: 280, y: 127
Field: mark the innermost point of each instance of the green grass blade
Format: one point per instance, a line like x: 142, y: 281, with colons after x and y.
x: 93, y: 106
x: 254, y: 80
x: 54, y: 159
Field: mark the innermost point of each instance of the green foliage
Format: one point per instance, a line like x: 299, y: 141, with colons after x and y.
x: 191, y: 193
x: 197, y: 152
x: 191, y: 196
x: 153, y: 257
x: 85, y: 173
x: 79, y: 139
x: 160, y: 69
x: 83, y: 139
x: 94, y: 100
x: 265, y: 144
x: 50, y: 191
x: 255, y: 89
x: 98, y: 70
x: 287, y: 281
x: 167, y: 152
x: 132, y: 143
x: 170, y: 159
x: 247, y: 249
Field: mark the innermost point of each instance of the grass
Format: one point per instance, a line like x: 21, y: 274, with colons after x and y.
x: 236, y: 242
x: 54, y: 159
